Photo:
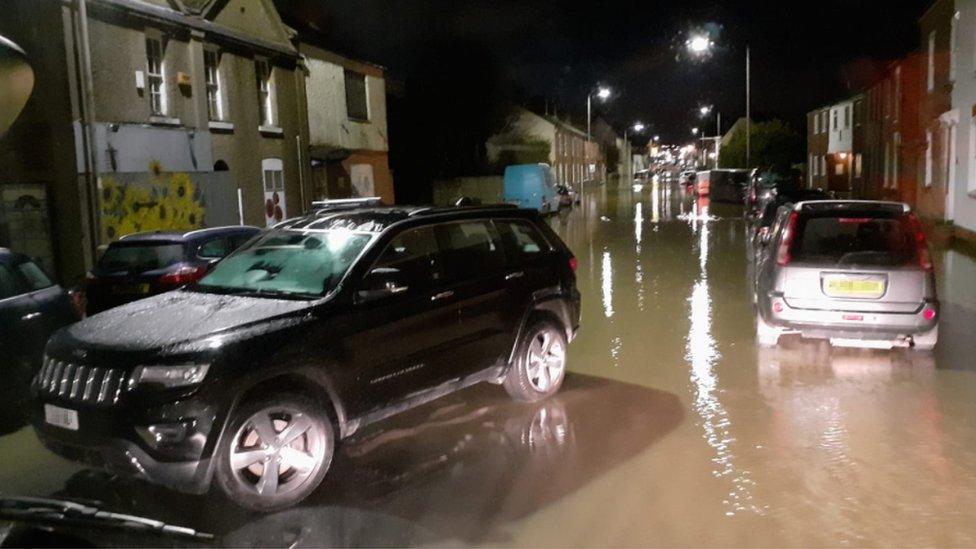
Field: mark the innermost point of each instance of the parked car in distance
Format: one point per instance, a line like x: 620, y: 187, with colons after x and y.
x: 765, y: 183
x: 567, y: 196
x: 32, y: 307
x: 531, y: 186
x: 307, y: 333
x: 857, y: 273
x: 145, y: 264
x: 687, y: 178
x: 722, y: 185
x: 758, y: 228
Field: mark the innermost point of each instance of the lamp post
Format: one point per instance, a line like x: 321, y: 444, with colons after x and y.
x: 638, y: 127
x: 603, y: 94
x: 700, y: 45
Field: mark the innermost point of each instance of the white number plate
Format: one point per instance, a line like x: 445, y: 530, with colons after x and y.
x: 62, y: 417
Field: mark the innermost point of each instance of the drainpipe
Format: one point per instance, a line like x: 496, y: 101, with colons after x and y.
x: 301, y: 173
x: 88, y: 122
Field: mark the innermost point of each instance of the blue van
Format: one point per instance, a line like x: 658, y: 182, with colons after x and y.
x: 531, y: 186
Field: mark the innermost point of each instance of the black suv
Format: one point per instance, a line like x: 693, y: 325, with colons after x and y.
x: 305, y: 334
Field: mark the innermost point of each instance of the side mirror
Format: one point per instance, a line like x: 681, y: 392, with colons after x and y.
x: 382, y: 282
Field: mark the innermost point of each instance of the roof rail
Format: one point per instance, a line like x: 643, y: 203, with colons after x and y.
x: 473, y: 208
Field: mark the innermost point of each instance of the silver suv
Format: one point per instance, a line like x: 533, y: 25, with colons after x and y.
x: 857, y: 273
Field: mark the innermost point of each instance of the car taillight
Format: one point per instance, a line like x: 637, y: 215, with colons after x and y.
x: 573, y: 264
x: 783, y: 252
x: 929, y: 314
x: 183, y: 276
x: 921, y: 243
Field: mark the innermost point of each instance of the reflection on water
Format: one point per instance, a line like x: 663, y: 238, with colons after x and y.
x: 607, y: 284
x: 455, y: 471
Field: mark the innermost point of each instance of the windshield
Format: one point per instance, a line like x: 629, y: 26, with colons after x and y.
x: 855, y: 238
x: 308, y: 264
x: 140, y: 257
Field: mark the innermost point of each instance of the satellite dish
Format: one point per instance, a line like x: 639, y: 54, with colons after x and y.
x: 18, y: 82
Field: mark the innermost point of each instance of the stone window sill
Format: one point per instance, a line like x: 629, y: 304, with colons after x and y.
x: 220, y: 126
x: 271, y: 130
x: 164, y: 121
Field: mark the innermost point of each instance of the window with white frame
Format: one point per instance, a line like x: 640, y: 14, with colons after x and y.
x: 971, y: 183
x: 811, y: 168
x: 357, y: 105
x: 953, y: 51
x: 836, y: 123
x: 928, y: 158
x: 262, y: 73
x: 823, y: 165
x: 816, y: 123
x: 155, y: 72
x: 211, y: 71
x: 895, y: 158
x: 887, y: 165
x: 858, y: 165
x: 930, y: 66
x: 897, y: 105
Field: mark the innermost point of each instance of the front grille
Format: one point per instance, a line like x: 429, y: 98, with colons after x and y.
x: 80, y: 383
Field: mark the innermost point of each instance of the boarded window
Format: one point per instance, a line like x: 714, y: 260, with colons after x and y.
x: 356, y: 106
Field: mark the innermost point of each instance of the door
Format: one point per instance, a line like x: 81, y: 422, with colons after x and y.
x: 23, y: 333
x: 529, y: 266
x: 400, y: 340
x: 474, y: 265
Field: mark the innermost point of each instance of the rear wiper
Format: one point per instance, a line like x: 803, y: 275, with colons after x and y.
x: 60, y: 511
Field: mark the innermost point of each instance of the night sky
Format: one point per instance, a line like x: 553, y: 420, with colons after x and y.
x: 804, y: 53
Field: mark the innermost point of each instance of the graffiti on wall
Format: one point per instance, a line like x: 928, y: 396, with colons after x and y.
x: 163, y: 202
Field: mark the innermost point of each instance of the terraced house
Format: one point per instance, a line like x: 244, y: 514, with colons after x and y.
x: 150, y: 115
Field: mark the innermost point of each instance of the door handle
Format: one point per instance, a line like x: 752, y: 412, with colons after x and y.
x: 513, y: 276
x: 30, y: 316
x: 442, y: 295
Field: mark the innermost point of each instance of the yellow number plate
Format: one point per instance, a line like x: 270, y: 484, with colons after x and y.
x: 854, y: 287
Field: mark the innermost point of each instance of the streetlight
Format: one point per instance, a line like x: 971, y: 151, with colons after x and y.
x: 694, y: 131
x: 657, y: 138
x: 705, y: 110
x: 602, y: 94
x: 699, y: 45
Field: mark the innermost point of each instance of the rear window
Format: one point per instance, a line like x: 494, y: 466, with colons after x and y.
x: 851, y: 238
x: 141, y: 257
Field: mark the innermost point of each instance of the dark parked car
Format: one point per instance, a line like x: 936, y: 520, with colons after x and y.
x: 145, y: 264
x: 304, y: 335
x: 32, y: 307
x: 766, y: 183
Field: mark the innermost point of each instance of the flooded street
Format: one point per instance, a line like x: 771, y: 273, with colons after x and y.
x: 671, y: 429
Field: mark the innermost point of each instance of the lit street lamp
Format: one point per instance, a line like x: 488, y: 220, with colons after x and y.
x: 699, y: 45
x: 602, y: 94
x: 694, y: 131
x: 705, y: 110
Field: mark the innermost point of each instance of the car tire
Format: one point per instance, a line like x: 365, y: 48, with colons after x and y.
x: 926, y: 342
x: 766, y: 335
x: 262, y: 468
x: 539, y: 366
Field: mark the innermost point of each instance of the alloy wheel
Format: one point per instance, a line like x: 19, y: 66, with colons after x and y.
x: 546, y: 359
x: 276, y: 451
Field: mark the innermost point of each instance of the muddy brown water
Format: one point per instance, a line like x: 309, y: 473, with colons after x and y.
x: 672, y: 427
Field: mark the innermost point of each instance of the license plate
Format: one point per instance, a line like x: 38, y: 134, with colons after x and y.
x: 61, y: 417
x: 854, y: 287
x: 130, y: 289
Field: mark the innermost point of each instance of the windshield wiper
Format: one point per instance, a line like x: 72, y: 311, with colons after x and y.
x: 57, y: 511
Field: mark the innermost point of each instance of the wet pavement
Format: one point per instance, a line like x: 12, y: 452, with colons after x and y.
x: 671, y: 429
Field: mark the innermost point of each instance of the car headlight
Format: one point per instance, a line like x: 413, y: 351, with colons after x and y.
x: 169, y: 377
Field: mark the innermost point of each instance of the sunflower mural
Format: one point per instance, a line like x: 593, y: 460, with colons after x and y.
x: 170, y: 202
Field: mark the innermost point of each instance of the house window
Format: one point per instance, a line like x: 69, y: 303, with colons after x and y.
x: 273, y: 178
x: 858, y: 165
x: 262, y: 72
x: 897, y: 105
x: 155, y: 73
x: 847, y: 116
x: 835, y: 116
x: 895, y: 158
x: 357, y: 107
x: 953, y: 52
x: 211, y: 63
x: 930, y: 66
x: 887, y: 165
x: 810, y: 169
x: 823, y: 165
x: 858, y: 112
x: 816, y: 123
x: 971, y: 184
x: 928, y: 158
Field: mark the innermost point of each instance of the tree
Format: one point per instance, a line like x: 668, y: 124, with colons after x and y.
x: 774, y: 145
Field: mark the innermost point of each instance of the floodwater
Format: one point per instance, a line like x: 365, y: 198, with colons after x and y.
x: 671, y: 429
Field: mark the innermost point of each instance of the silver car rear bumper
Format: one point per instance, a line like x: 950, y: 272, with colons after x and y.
x: 841, y: 324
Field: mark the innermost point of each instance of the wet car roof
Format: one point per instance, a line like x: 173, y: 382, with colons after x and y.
x: 376, y: 220
x: 825, y: 205
x: 177, y: 236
